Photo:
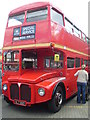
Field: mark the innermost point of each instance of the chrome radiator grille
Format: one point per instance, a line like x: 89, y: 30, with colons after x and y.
x: 22, y: 93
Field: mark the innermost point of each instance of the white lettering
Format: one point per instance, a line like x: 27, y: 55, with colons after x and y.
x: 28, y: 30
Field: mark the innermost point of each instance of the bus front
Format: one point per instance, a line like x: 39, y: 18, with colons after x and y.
x: 29, y: 70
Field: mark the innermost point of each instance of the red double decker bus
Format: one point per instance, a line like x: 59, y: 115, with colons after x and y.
x: 41, y: 52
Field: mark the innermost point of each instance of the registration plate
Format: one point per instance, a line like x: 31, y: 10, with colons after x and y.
x: 19, y: 102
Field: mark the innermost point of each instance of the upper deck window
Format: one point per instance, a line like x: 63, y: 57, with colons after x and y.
x: 83, y: 36
x: 68, y: 25
x: 36, y: 15
x: 56, y: 17
x: 16, y: 19
x: 87, y: 40
x: 77, y: 32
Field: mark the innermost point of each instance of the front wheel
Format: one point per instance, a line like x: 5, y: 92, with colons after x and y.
x: 55, y: 103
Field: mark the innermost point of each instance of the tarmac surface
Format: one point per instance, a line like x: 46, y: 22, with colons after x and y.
x: 70, y: 109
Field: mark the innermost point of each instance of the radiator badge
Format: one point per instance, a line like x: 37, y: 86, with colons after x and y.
x: 19, y: 84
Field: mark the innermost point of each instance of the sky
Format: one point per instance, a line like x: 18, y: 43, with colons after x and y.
x: 75, y: 10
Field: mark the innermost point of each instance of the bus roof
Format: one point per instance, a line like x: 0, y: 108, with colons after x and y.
x: 32, y: 6
x: 29, y: 6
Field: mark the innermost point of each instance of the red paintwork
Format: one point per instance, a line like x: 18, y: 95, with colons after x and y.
x: 36, y: 77
x: 46, y: 32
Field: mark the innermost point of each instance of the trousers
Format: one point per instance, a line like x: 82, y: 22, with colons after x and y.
x: 81, y: 89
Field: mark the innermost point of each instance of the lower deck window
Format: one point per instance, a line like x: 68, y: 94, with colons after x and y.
x: 86, y: 62
x: 77, y: 62
x: 11, y: 60
x: 29, y: 60
x: 47, y: 63
x: 51, y: 63
x: 56, y: 64
x: 70, y: 62
x: 82, y: 61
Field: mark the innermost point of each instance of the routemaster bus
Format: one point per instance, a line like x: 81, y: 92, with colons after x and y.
x: 42, y: 50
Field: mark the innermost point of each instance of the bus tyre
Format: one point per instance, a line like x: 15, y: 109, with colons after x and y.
x: 55, y: 103
x: 7, y: 100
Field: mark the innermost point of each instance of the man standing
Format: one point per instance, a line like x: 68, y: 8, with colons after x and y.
x: 81, y: 83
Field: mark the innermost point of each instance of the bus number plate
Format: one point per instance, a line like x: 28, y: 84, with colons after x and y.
x: 19, y: 102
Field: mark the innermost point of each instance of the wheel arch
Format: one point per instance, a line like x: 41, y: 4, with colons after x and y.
x: 61, y: 84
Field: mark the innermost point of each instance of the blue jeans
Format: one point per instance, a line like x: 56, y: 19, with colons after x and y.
x: 81, y: 89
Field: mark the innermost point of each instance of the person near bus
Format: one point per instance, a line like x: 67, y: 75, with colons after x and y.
x: 81, y: 83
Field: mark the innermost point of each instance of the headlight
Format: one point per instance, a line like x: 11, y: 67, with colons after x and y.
x: 4, y: 87
x: 41, y: 91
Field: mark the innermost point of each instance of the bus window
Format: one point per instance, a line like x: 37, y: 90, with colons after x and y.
x: 80, y: 34
x: 87, y: 40
x: 36, y: 15
x: 29, y: 60
x: 77, y: 32
x: 50, y: 63
x: 47, y: 63
x: 86, y: 62
x: 82, y: 61
x: 70, y: 62
x: 56, y: 17
x: 83, y: 37
x: 55, y: 64
x: 68, y: 25
x: 16, y: 19
x: 11, y: 60
x: 77, y: 62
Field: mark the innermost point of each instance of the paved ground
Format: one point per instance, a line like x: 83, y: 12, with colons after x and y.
x: 70, y: 109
